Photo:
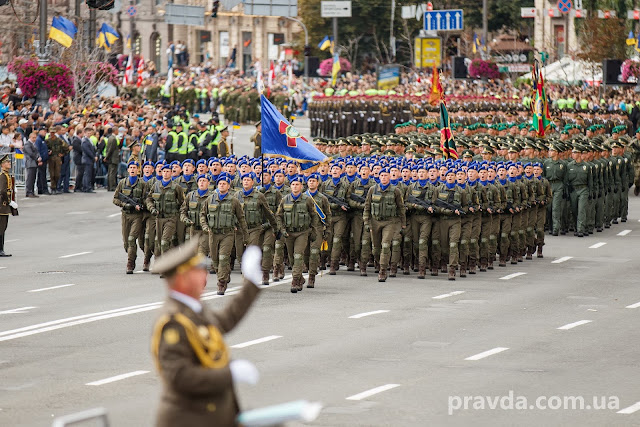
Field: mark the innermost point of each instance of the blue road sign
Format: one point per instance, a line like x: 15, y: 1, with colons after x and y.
x: 564, y: 6
x: 444, y: 20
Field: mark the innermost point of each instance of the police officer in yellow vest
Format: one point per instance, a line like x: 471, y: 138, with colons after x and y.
x: 174, y: 142
x: 130, y: 195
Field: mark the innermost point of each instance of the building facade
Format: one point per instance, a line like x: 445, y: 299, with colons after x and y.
x: 248, y: 37
x: 555, y: 32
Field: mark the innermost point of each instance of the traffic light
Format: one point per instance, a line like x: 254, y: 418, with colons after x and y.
x: 100, y: 4
x: 214, y: 11
x: 307, y: 50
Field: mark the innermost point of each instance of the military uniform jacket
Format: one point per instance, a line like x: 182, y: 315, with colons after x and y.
x: 7, y: 192
x: 193, y: 362
x: 383, y: 205
x: 360, y: 190
x: 191, y: 208
x: 137, y: 192
x: 339, y: 191
x: 295, y: 215
x: 167, y: 205
x: 223, y: 215
x: 256, y: 209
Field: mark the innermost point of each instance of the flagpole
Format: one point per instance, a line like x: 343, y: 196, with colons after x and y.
x: 43, y: 52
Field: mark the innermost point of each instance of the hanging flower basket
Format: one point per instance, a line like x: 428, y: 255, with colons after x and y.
x: 480, y: 69
x: 630, y: 70
x: 54, y: 77
x: 327, y: 65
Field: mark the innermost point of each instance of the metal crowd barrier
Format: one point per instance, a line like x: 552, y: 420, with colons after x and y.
x: 79, y: 417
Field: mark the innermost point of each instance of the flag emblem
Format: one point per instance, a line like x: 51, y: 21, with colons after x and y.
x: 291, y: 133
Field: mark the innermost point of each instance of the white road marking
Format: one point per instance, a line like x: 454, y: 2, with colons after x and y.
x: 624, y: 232
x: 17, y: 310
x: 373, y: 391
x: 11, y: 241
x: 26, y: 198
x: 117, y: 378
x: 52, y: 287
x: 94, y: 317
x: 563, y: 259
x: 630, y: 409
x: 77, y: 213
x: 114, y: 215
x: 369, y: 313
x: 450, y: 294
x: 78, y: 254
x: 574, y: 324
x: 258, y: 341
x: 487, y: 353
x: 512, y: 275
x: 636, y: 305
x: 2, y: 268
x: 597, y: 245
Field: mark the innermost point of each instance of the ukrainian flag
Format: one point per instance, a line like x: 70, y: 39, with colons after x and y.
x: 335, y: 69
x: 476, y: 43
x: 325, y: 43
x: 631, y: 40
x: 62, y: 30
x: 106, y: 37
x: 236, y: 125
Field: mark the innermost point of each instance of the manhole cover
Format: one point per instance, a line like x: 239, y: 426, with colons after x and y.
x: 52, y: 272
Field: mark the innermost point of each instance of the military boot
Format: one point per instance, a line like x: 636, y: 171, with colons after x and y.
x: 491, y: 260
x: 363, y: 270
x: 443, y: 266
x: 145, y: 266
x: 452, y: 272
x: 131, y: 265
x: 333, y: 267
x: 312, y: 281
x: 503, y: 261
x: 377, y: 267
x: 382, y: 276
x: 406, y: 269
x: 422, y: 271
x: 514, y: 258
x: 265, y: 277
x: 222, y: 287
x: 301, y: 282
x: 294, y: 285
x: 540, y: 251
x: 305, y: 269
x: 529, y: 252
x: 472, y: 266
x: 483, y: 264
x: 281, y: 271
x: 393, y: 271
x: 351, y: 266
x: 463, y: 269
x: 434, y: 271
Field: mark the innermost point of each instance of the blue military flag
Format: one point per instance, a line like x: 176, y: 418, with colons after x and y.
x: 280, y: 139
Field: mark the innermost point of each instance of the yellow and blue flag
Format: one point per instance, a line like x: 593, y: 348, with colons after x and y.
x: 335, y: 69
x: 106, y: 37
x: 62, y: 30
x: 236, y: 125
x: 637, y: 46
x: 280, y: 139
x: 325, y: 43
x: 631, y: 39
x: 476, y: 43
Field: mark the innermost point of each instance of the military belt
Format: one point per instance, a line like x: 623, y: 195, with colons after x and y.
x: 167, y: 215
x: 297, y: 229
x: 221, y: 230
x: 580, y: 186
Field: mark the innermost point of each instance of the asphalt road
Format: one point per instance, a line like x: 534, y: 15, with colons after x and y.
x: 70, y: 318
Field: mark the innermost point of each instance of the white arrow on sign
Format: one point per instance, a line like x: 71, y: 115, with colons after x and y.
x: 458, y: 26
x: 447, y: 17
x: 438, y: 21
x: 20, y: 310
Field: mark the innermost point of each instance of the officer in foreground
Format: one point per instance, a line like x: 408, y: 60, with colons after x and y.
x: 187, y: 344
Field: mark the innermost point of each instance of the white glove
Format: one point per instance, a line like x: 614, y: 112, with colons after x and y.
x: 252, y: 265
x: 13, y: 204
x: 243, y: 371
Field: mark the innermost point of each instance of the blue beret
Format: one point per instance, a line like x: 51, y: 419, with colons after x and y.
x: 297, y: 178
x: 167, y: 167
x: 201, y: 162
x: 384, y: 170
x: 147, y: 163
x: 188, y: 161
x: 528, y: 164
x: 248, y: 175
x: 279, y: 171
x: 202, y: 176
x: 161, y: 162
x: 174, y: 163
x: 451, y: 170
x: 224, y: 177
x: 133, y: 162
x: 315, y: 176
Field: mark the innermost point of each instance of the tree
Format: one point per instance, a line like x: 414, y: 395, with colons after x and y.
x: 601, y: 39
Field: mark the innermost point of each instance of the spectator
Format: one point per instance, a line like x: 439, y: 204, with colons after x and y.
x: 32, y: 161
x: 44, y: 152
x: 89, y: 158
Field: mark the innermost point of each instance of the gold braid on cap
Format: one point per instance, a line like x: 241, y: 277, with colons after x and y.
x: 192, y: 262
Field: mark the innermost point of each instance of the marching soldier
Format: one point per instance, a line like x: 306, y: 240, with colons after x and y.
x: 298, y: 222
x: 273, y: 198
x: 190, y: 213
x: 256, y: 138
x: 261, y: 222
x: 360, y: 235
x: 384, y: 215
x: 163, y: 201
x: 456, y: 201
x: 221, y: 214
x: 130, y: 195
x: 323, y: 210
x: 418, y: 200
x: 148, y: 220
x: 336, y: 190
x: 187, y: 344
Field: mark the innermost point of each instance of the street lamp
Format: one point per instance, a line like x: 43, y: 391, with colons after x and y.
x: 307, y: 48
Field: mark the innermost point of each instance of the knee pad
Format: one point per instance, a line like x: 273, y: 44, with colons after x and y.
x: 504, y: 235
x: 315, y: 251
x: 395, y: 243
x: 463, y: 242
x: 336, y: 240
x: 453, y: 245
x: 386, y: 248
x: 473, y: 241
x: 266, y: 250
x: 279, y: 245
x: 407, y: 239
